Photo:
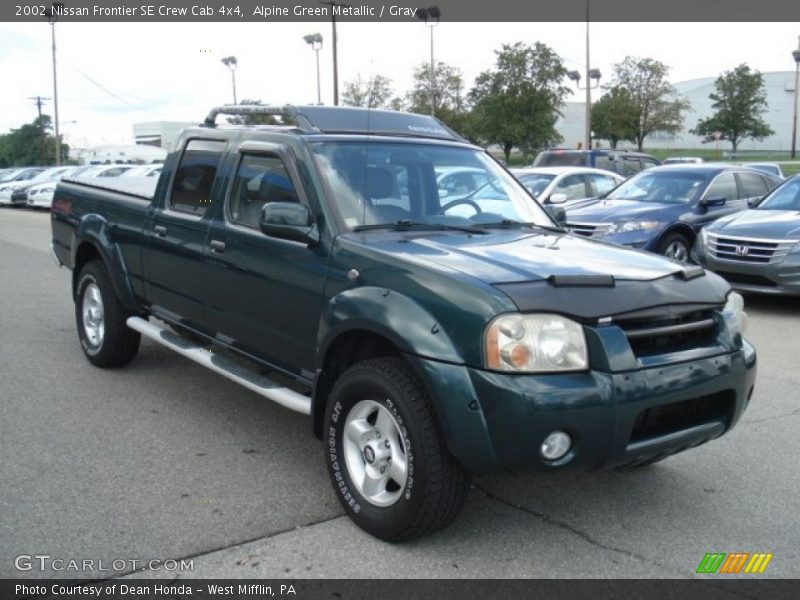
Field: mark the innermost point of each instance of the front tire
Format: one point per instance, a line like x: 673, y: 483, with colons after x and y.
x: 676, y: 247
x: 387, y: 460
x: 105, y: 338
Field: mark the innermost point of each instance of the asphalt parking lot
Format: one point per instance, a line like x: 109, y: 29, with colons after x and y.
x: 163, y: 459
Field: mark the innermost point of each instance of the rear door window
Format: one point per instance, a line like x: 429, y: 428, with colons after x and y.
x: 601, y: 184
x: 751, y: 185
x: 191, y: 188
x: 724, y: 186
x: 574, y: 186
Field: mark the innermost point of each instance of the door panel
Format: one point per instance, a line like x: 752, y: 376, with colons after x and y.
x: 176, y: 236
x: 265, y: 295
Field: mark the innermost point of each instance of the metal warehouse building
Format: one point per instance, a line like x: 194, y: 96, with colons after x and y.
x: 780, y: 97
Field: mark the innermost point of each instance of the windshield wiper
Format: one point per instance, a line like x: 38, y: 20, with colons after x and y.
x: 511, y: 223
x: 405, y: 225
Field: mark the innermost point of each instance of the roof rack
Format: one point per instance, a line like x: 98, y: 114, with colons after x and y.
x: 259, y: 109
x: 345, y: 120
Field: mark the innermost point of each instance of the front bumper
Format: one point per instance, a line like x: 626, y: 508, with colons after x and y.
x: 781, y: 278
x: 605, y: 413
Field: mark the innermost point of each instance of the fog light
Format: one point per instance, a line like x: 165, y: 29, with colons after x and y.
x: 556, y: 445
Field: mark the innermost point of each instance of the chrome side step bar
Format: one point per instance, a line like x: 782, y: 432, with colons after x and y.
x: 252, y: 381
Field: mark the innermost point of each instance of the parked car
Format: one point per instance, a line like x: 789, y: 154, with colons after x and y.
x: 40, y: 194
x: 19, y: 196
x: 622, y: 162
x: 424, y: 345
x: 15, y: 178
x: 757, y: 250
x: 143, y: 171
x: 682, y: 160
x: 662, y: 209
x: 557, y: 185
x: 771, y: 168
x: 104, y: 171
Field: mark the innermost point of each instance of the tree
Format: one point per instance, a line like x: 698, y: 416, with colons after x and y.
x: 740, y: 100
x: 31, y: 144
x: 657, y: 106
x: 448, y: 89
x: 375, y: 92
x: 517, y: 103
x: 615, y: 117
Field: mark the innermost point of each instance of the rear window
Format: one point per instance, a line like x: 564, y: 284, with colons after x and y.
x: 560, y: 158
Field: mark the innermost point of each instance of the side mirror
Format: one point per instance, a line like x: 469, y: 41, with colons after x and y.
x: 753, y: 202
x: 713, y: 201
x: 559, y: 214
x: 557, y: 199
x: 289, y: 221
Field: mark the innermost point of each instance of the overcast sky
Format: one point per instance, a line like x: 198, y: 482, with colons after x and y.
x: 112, y: 75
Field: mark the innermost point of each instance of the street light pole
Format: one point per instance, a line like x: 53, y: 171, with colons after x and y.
x: 796, y: 56
x: 232, y: 63
x: 334, y: 40
x: 315, y: 41
x: 428, y: 15
x: 52, y: 14
x: 587, y: 137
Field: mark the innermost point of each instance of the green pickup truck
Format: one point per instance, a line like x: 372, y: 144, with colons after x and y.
x: 374, y: 270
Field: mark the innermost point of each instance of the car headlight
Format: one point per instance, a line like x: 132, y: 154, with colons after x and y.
x: 633, y: 226
x: 535, y: 343
x: 735, y: 314
x: 703, y: 237
x: 47, y: 190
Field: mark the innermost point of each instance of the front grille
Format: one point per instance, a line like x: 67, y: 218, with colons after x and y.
x: 748, y: 250
x: 747, y: 279
x: 588, y: 229
x: 671, y: 418
x: 660, y: 335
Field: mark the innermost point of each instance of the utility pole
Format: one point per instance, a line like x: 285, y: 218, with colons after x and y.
x: 39, y: 102
x: 587, y: 138
x: 796, y: 57
x: 52, y: 15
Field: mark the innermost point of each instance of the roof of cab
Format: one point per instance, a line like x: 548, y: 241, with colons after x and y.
x: 345, y: 120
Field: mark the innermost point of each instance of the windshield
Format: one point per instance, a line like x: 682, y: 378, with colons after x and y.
x: 375, y: 183
x: 786, y: 197
x: 10, y: 175
x: 535, y: 184
x: 664, y: 186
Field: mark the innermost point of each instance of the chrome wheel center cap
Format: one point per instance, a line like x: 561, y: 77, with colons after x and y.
x: 369, y: 455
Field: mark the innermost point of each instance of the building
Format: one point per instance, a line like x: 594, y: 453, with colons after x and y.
x: 162, y: 134
x: 779, y: 86
x: 135, y: 154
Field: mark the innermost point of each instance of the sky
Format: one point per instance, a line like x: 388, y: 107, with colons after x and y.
x: 111, y: 75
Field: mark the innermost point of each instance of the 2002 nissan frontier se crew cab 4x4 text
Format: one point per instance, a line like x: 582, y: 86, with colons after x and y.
x: 429, y: 333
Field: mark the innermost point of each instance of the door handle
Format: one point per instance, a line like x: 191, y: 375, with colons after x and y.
x: 217, y: 246
x: 160, y: 230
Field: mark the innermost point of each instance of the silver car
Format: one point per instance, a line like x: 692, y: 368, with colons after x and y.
x: 757, y: 250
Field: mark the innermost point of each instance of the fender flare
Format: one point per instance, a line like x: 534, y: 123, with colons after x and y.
x: 94, y: 230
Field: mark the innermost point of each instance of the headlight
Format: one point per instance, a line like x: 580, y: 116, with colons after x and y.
x: 535, y: 343
x: 633, y: 226
x: 47, y: 190
x: 735, y: 314
x: 703, y: 237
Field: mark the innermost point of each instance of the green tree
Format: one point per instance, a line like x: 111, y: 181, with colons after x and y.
x: 375, y: 92
x: 615, y: 117
x: 31, y: 144
x: 657, y: 106
x: 448, y: 91
x: 739, y: 100
x: 517, y: 103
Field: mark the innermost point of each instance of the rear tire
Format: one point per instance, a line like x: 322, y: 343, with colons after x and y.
x: 105, y: 338
x: 387, y: 460
x: 676, y: 246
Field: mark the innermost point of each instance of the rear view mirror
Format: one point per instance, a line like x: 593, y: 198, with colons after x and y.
x: 753, y: 202
x: 289, y: 221
x: 559, y: 214
x: 713, y: 201
x: 557, y: 199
